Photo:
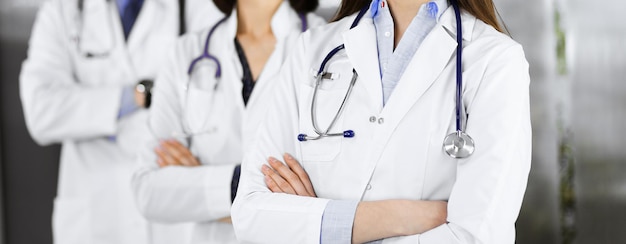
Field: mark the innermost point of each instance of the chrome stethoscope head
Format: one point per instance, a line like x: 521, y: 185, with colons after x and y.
x: 458, y: 144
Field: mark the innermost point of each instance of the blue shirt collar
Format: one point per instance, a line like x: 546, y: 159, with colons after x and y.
x: 435, y: 7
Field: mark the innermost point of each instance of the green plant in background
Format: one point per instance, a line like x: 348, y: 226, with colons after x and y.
x: 566, y: 187
x: 566, y: 160
x: 561, y: 61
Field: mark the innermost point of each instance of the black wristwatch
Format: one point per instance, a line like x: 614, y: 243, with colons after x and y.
x: 145, y: 87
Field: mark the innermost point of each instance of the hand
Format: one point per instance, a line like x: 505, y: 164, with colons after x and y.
x: 290, y: 178
x: 226, y: 220
x: 172, y: 153
x: 140, y: 99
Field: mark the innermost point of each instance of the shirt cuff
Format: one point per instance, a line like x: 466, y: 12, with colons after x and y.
x: 337, y: 221
x: 128, y: 104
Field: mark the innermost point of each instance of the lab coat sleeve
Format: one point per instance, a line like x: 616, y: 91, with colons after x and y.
x: 173, y: 193
x: 490, y: 185
x: 260, y: 216
x: 56, y: 106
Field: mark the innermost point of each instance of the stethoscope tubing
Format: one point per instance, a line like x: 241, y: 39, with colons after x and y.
x: 450, y: 141
x: 459, y: 71
x: 207, y: 55
x: 318, y: 81
x: 205, y: 52
x: 355, y: 76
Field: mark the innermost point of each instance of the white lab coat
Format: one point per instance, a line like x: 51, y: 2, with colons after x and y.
x: 202, y: 194
x: 397, y: 149
x: 70, y: 98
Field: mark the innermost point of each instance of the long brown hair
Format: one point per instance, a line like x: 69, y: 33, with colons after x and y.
x: 482, y: 9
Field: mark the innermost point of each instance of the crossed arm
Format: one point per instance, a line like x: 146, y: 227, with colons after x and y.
x: 374, y: 220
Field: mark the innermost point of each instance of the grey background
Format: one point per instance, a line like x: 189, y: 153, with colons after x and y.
x: 590, y: 100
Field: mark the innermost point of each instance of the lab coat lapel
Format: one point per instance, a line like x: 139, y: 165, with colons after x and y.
x: 362, y: 50
x: 99, y: 32
x: 153, y: 15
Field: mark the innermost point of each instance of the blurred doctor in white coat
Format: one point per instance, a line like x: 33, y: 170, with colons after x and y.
x: 386, y: 177
x: 78, y: 87
x: 208, y: 102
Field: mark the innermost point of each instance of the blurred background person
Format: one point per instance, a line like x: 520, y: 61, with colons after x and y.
x: 208, y: 102
x: 85, y: 84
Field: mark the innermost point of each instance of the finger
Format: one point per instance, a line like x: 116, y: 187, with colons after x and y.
x: 186, y: 157
x: 161, y: 163
x: 178, y: 155
x: 271, y: 184
x: 165, y: 158
x: 289, y: 176
x: 282, y: 184
x: 295, y: 166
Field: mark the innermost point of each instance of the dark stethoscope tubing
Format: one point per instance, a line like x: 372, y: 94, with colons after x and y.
x: 207, y: 55
x: 218, y: 72
x: 457, y: 144
x: 319, y: 77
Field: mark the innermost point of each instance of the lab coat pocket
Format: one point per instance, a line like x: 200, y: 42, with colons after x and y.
x: 327, y: 104
x: 71, y: 221
x: 198, y: 108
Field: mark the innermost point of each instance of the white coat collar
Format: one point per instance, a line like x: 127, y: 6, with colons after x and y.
x: 284, y: 22
x: 360, y: 43
x: 448, y: 21
x: 362, y: 50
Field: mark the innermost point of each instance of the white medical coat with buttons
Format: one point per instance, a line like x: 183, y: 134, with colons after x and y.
x: 73, y: 99
x: 396, y: 152
x: 208, y: 116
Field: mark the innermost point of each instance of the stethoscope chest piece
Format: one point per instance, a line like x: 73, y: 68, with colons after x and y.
x: 458, y: 145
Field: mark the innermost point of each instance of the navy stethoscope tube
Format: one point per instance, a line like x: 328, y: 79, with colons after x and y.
x: 218, y: 72
x: 456, y: 145
x: 459, y: 72
x: 207, y: 55
x: 319, y: 78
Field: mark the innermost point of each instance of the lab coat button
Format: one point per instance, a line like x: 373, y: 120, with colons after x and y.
x: 381, y: 121
x: 387, y: 34
x: 373, y: 119
x: 369, y: 187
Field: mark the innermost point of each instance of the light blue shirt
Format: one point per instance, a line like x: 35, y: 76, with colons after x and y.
x: 127, y: 106
x: 338, y: 217
x: 392, y: 62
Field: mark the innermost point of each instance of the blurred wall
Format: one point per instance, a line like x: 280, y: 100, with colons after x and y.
x: 596, y: 35
x: 530, y: 23
x: 29, y: 172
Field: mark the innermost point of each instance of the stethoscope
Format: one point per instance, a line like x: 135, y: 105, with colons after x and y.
x: 457, y: 144
x: 218, y: 72
x: 77, y: 37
